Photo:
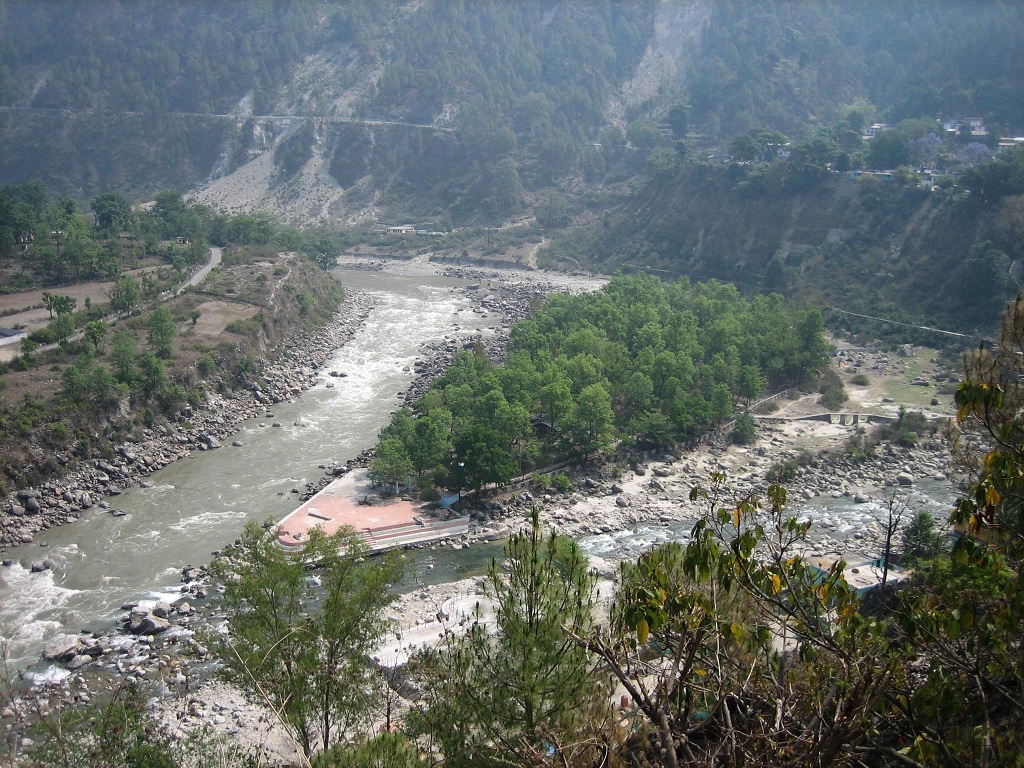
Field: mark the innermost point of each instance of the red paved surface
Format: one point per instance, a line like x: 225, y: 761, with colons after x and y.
x: 338, y: 505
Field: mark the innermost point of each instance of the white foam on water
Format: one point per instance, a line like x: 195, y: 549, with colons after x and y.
x: 157, y: 489
x: 33, y: 610
x: 197, y: 523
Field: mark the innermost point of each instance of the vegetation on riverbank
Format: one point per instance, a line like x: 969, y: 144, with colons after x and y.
x: 146, y: 355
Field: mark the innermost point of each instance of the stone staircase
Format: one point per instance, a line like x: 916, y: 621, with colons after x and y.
x: 425, y: 530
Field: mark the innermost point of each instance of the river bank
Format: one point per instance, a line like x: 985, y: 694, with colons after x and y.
x: 169, y: 652
x: 206, y: 427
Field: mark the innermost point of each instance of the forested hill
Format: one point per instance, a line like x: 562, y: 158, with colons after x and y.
x: 786, y: 65
x: 454, y: 111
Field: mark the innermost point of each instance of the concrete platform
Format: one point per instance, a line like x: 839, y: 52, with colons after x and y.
x: 384, y: 522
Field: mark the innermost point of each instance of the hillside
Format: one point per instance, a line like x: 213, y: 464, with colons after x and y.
x: 899, y: 251
x: 331, y: 113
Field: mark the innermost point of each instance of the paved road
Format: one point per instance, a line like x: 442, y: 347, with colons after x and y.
x: 201, y: 274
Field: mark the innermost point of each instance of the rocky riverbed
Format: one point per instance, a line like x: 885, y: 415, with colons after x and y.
x: 165, y: 643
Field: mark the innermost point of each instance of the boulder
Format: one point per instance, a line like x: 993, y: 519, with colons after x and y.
x: 161, y: 609
x: 62, y: 648
x: 146, y: 623
x: 905, y: 478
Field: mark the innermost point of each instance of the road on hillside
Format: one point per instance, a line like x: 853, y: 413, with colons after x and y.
x: 200, y: 275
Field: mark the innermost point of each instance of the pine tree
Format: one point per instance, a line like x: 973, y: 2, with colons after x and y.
x: 497, y: 694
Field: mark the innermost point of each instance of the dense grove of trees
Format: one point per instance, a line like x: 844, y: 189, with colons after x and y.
x: 641, y: 361
x: 187, y: 57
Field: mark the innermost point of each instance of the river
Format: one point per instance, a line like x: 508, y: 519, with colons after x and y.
x: 198, y: 504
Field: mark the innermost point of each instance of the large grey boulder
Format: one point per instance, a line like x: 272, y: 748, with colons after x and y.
x: 145, y: 623
x: 62, y: 648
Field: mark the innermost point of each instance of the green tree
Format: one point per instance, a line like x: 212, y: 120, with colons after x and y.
x: 63, y: 305
x: 888, y: 150
x: 644, y: 134
x: 63, y: 328
x: 392, y: 465
x: 124, y: 357
x: 920, y: 539
x: 305, y: 650
x: 49, y: 301
x: 125, y: 295
x: 678, y: 120
x: 744, y: 432
x: 481, y: 456
x: 431, y: 440
x: 496, y: 692
x: 112, y: 213
x: 325, y: 253
x: 590, y: 426
x: 162, y: 331
x: 152, y: 375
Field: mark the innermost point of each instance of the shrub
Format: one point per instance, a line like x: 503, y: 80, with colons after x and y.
x: 860, y: 379
x: 543, y: 482
x: 744, y: 431
x: 47, y: 335
x: 57, y: 433
x: 920, y: 539
x: 562, y: 483
x: 429, y: 493
x: 244, y: 368
x: 205, y: 365
x: 833, y: 393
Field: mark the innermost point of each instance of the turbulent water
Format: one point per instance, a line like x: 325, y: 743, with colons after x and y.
x: 836, y: 524
x: 198, y: 504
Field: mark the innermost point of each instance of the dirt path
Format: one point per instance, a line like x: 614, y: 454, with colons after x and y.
x: 531, y: 257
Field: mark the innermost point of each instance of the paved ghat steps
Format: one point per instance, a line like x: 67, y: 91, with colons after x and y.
x: 384, y: 522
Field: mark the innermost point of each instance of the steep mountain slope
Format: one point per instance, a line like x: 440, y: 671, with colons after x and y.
x: 902, y: 252
x: 328, y: 112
